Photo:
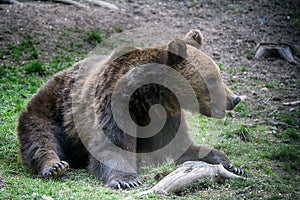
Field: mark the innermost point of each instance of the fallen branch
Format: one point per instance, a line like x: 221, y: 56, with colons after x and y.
x: 10, y: 2
x: 293, y: 103
x: 102, y: 4
x: 187, y: 174
x: 71, y: 2
x: 282, y: 50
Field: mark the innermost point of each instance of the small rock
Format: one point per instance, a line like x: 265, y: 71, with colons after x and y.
x: 44, y: 197
x: 264, y: 89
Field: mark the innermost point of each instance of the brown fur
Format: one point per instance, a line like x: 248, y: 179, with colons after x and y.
x: 48, y: 135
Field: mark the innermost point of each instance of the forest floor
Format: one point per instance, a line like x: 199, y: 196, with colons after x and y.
x: 45, y: 37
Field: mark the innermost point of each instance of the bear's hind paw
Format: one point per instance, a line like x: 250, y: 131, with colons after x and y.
x: 124, y: 182
x: 55, y: 170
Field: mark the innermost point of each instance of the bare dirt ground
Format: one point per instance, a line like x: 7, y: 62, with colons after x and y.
x: 231, y: 29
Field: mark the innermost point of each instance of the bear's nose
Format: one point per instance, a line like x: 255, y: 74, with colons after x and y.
x: 236, y: 101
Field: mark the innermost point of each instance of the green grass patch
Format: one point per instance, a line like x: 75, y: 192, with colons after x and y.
x: 35, y: 66
x: 249, y: 54
x: 232, y: 71
x: 243, y: 109
x: 26, y: 46
x: 290, y: 134
x: 34, y: 54
x: 221, y: 67
x: 271, y: 85
x: 243, y: 69
x: 60, y: 62
x: 94, y: 37
x: 236, y: 11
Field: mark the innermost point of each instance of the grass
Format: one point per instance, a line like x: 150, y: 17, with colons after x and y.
x: 249, y: 54
x: 271, y: 85
x: 221, y: 67
x: 236, y: 11
x: 271, y: 156
x: 296, y: 19
x: 26, y: 46
x: 243, y: 69
x: 95, y: 37
x: 35, y: 66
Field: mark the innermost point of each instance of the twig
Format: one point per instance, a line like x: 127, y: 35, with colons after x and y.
x: 103, y: 4
x: 11, y: 2
x: 71, y: 2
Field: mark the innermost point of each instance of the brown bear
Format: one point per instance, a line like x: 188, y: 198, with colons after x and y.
x: 118, y: 113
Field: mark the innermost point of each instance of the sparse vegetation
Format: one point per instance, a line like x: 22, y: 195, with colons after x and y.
x: 232, y: 71
x: 236, y: 11
x: 270, y: 85
x: 35, y: 66
x: 25, y: 47
x: 243, y: 68
x: 249, y: 54
x: 94, y: 37
x: 221, y: 67
x: 34, y: 54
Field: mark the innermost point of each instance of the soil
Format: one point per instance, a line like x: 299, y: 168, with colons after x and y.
x: 231, y: 29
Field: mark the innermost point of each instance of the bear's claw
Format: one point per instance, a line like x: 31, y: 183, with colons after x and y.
x: 125, y: 182
x: 56, y: 170
x: 237, y: 170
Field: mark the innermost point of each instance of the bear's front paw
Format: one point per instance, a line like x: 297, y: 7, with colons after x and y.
x: 237, y: 170
x: 124, y: 181
x: 55, y: 170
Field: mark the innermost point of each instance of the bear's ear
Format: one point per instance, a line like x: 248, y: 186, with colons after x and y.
x: 194, y: 38
x: 176, y: 51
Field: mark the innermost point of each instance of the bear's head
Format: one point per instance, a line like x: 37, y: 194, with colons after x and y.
x: 184, y: 56
x: 203, y: 74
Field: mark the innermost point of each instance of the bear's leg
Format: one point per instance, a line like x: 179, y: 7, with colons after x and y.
x: 210, y: 155
x: 116, y: 162
x: 39, y: 146
x: 114, y: 178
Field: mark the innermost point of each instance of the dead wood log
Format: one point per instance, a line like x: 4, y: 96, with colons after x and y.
x: 102, y: 4
x: 293, y: 103
x: 10, y: 2
x: 281, y: 50
x: 72, y: 2
x: 187, y: 174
